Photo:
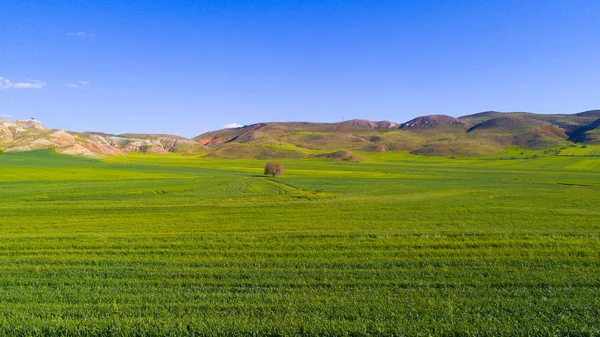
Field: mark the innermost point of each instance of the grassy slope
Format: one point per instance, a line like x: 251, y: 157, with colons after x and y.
x: 506, y: 244
x: 478, y: 134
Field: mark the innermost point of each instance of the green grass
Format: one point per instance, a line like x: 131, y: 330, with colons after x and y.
x: 400, y: 245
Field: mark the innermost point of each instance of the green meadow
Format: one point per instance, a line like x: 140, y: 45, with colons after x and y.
x: 396, y: 245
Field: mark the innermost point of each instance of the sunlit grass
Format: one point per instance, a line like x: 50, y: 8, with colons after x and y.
x: 399, y: 245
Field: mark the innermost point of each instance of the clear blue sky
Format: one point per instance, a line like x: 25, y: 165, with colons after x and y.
x: 186, y: 67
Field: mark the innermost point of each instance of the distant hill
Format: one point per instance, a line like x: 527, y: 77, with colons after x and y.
x: 26, y: 135
x: 520, y: 131
x: 441, y: 135
x: 431, y: 121
x: 477, y: 134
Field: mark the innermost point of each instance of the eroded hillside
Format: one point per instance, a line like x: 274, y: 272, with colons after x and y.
x: 27, y: 135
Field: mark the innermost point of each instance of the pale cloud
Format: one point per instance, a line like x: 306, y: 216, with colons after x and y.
x: 5, y: 116
x: 82, y: 35
x: 4, y: 83
x: 232, y: 126
x: 29, y: 84
x: 78, y: 85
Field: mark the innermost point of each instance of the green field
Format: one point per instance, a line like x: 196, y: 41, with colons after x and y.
x: 396, y: 245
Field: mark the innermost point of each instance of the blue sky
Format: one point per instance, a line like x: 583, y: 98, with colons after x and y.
x: 185, y: 67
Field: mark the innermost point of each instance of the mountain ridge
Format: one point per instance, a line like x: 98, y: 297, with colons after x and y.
x: 475, y: 134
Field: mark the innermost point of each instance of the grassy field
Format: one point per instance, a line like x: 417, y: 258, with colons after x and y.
x: 397, y: 245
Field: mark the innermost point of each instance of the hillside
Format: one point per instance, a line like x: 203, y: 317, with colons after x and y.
x: 438, y: 135
x: 27, y: 135
x: 441, y: 135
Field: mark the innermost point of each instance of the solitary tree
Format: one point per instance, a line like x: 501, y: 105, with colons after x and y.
x: 274, y: 168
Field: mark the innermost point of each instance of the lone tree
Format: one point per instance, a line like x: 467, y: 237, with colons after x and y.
x: 274, y: 168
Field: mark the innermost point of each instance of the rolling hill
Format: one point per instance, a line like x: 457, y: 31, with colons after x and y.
x: 441, y: 135
x: 438, y: 135
x: 26, y: 135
